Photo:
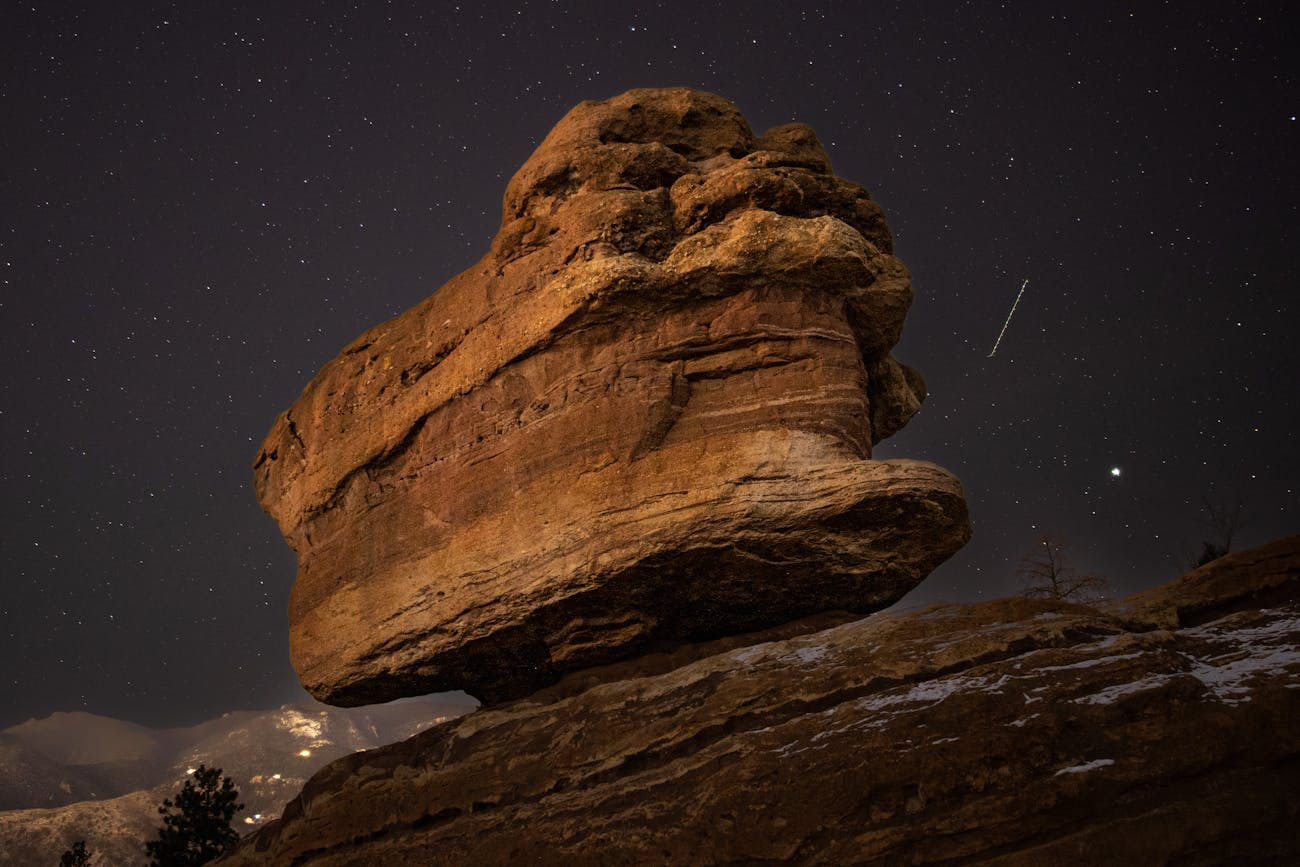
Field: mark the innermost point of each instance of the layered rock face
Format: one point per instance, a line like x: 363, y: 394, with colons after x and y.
x: 645, y: 416
x: 1018, y: 732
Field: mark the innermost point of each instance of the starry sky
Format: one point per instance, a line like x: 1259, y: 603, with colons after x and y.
x: 203, y: 203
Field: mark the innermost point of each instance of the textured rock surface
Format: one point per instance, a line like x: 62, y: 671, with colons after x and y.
x: 646, y: 414
x: 1015, y: 732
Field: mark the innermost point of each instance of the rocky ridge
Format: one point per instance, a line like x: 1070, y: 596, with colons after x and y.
x: 1015, y: 732
x: 645, y: 416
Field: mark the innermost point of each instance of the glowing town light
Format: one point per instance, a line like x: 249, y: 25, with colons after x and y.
x: 304, y: 753
x: 189, y: 771
x: 275, y: 776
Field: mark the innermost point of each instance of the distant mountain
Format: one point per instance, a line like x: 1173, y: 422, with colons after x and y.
x: 79, y: 738
x: 29, y: 778
x: 70, y: 757
x: 73, y: 776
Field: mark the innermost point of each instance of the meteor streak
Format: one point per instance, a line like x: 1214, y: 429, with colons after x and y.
x: 996, y: 343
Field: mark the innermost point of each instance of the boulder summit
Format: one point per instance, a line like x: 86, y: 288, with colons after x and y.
x: 646, y: 415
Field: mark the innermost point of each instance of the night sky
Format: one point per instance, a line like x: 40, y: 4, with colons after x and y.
x: 203, y: 203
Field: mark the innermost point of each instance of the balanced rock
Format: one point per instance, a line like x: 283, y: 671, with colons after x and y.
x: 1014, y: 732
x: 645, y: 416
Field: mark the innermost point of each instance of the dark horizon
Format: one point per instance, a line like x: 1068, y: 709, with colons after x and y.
x: 206, y: 206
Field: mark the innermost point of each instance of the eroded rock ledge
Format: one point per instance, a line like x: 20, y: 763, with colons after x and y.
x: 1014, y: 732
x: 645, y: 415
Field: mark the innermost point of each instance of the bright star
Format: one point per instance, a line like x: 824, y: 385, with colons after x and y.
x: 1114, y: 471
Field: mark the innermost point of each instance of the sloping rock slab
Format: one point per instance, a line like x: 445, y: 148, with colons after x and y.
x: 644, y: 415
x: 1015, y: 732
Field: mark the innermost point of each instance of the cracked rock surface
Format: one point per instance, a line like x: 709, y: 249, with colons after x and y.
x: 645, y: 416
x: 1160, y: 730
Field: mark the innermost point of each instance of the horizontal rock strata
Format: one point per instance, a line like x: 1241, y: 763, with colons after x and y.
x: 1015, y: 732
x: 645, y: 415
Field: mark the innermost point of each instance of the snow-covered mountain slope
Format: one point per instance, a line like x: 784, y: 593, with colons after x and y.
x: 78, y: 776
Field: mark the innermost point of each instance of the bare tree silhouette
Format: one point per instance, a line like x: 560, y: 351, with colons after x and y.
x: 1223, y: 519
x: 1047, y: 574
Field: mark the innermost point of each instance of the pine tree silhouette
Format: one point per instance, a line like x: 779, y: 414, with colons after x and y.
x: 77, y: 856
x: 200, y: 829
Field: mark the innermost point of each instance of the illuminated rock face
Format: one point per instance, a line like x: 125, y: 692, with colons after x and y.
x: 645, y: 415
x: 1013, y: 732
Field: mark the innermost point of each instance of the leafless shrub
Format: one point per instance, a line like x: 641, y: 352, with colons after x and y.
x: 1047, y: 574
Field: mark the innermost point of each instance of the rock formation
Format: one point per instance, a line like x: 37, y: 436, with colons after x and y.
x: 616, y: 480
x: 645, y: 416
x: 1017, y: 732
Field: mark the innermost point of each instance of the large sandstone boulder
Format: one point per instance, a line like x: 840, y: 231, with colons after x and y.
x: 1015, y: 732
x: 645, y: 415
